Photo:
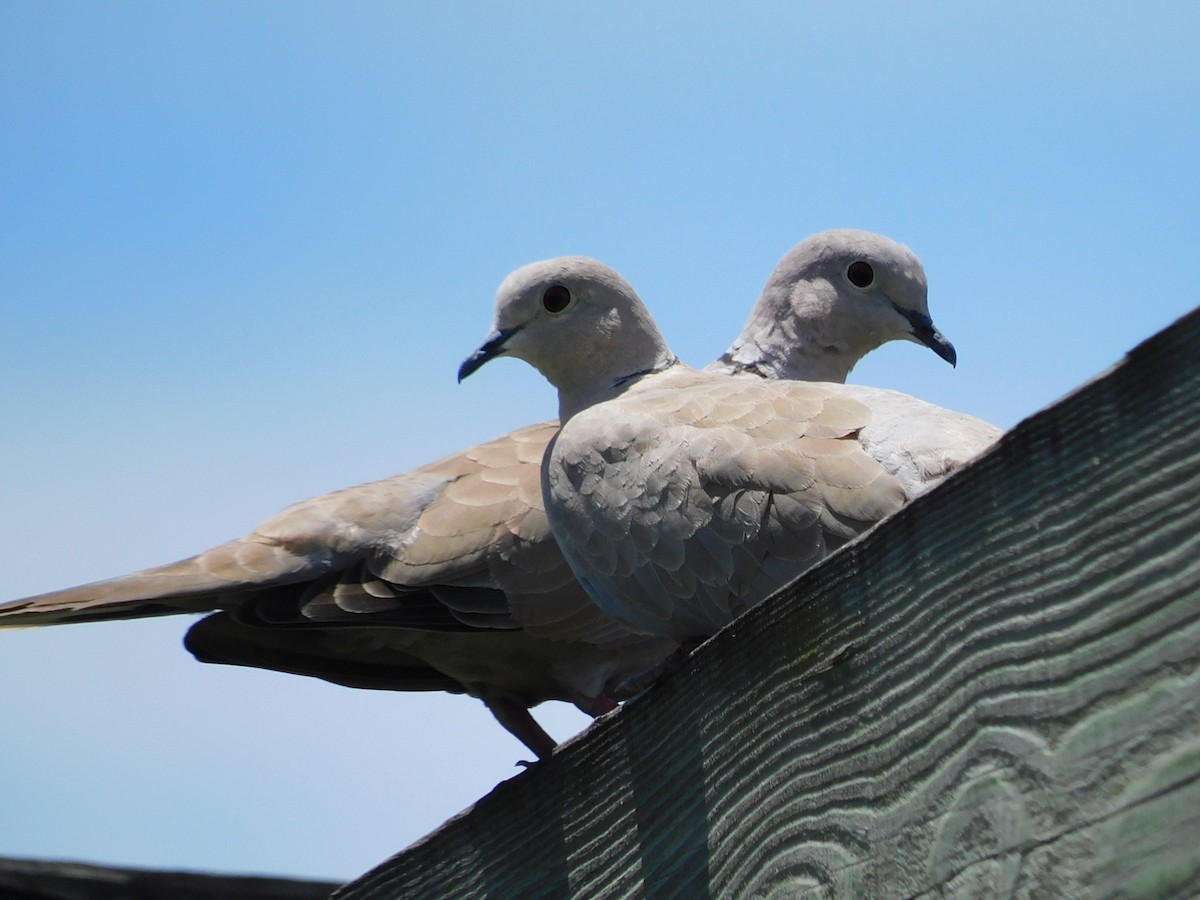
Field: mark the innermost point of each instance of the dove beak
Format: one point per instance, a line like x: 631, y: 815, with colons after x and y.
x: 488, y: 350
x: 924, y: 332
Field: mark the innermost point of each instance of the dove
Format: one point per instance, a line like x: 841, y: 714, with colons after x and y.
x: 446, y: 577
x: 679, y: 497
x: 830, y: 301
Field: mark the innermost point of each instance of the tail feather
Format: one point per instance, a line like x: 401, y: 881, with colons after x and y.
x: 213, y: 580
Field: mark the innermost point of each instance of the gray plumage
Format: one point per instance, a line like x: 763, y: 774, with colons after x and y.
x: 680, y: 497
x: 446, y: 577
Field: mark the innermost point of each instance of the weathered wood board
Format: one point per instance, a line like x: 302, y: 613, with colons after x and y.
x: 994, y: 693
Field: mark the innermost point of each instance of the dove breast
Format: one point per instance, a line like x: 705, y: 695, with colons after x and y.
x: 692, y: 496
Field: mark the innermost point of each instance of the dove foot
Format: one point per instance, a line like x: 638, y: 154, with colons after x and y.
x: 518, y: 721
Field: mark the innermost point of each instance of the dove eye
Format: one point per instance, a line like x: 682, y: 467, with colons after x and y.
x: 556, y: 298
x: 860, y: 274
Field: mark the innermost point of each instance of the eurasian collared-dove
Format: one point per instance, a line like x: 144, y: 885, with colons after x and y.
x: 681, y: 498
x: 445, y: 577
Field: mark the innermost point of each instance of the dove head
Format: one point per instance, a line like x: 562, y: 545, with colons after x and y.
x: 832, y: 299
x: 577, y: 322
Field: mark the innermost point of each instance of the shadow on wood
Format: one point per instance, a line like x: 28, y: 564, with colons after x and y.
x: 995, y: 692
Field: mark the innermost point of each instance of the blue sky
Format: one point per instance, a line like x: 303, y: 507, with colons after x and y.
x: 244, y: 246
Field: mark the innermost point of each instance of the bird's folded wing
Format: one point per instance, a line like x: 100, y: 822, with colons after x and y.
x: 696, y: 497
x: 460, y: 543
x: 916, y: 441
x: 483, y: 548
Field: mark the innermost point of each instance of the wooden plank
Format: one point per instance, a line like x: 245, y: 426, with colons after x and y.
x: 996, y: 692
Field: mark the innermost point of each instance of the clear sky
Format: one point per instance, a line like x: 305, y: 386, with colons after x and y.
x: 244, y: 246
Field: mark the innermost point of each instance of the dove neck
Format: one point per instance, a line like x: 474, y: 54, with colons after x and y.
x: 800, y: 333
x: 776, y: 354
x: 577, y: 394
x: 601, y: 355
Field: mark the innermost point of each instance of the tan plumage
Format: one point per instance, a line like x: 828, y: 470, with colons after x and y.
x: 446, y: 577
x: 441, y: 578
x: 689, y: 497
x: 681, y: 498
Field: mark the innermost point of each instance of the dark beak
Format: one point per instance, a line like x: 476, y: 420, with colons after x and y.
x: 924, y: 331
x: 491, y: 348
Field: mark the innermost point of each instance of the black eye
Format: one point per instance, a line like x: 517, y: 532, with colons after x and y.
x: 860, y: 274
x: 556, y: 298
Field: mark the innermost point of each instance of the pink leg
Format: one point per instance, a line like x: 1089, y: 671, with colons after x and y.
x: 521, y: 725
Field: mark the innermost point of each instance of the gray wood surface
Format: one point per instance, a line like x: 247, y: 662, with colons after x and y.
x: 995, y: 693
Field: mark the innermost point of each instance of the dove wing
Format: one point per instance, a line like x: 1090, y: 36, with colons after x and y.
x: 684, y: 503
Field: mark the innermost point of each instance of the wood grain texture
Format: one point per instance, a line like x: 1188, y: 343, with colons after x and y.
x: 994, y: 693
